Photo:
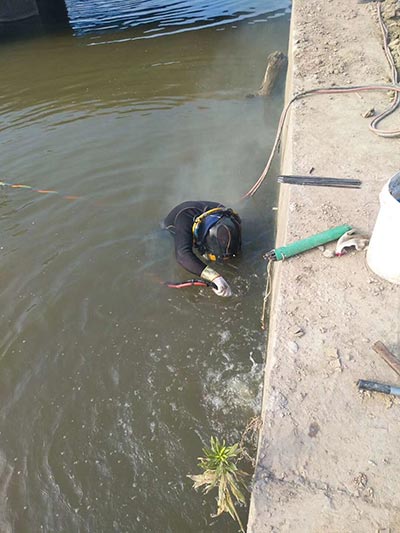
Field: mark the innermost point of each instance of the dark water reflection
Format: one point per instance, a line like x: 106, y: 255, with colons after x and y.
x: 110, y: 384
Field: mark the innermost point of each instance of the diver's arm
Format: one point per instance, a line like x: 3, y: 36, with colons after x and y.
x: 184, y: 251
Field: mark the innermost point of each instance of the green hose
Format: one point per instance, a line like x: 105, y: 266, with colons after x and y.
x: 310, y: 242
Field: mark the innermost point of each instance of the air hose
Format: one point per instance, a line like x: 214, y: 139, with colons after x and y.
x: 189, y: 283
x: 294, y: 248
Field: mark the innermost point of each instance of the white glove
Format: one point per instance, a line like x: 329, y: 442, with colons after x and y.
x: 223, y: 288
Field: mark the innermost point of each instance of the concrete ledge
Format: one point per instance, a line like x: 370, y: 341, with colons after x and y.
x: 13, y: 10
x: 328, y: 456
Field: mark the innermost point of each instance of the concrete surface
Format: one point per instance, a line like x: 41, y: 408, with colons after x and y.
x: 328, y: 458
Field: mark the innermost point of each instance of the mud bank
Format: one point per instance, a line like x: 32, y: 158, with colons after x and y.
x: 328, y: 454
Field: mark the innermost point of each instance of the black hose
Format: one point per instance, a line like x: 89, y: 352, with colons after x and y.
x: 189, y: 283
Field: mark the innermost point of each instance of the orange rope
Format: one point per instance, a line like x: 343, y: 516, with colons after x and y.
x: 40, y: 191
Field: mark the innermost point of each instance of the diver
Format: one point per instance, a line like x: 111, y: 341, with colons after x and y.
x: 210, y: 229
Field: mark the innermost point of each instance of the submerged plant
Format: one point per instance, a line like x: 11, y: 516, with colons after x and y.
x: 220, y: 472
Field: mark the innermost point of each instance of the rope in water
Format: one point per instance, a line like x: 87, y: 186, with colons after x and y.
x: 40, y: 191
x: 338, y: 90
x: 267, y: 292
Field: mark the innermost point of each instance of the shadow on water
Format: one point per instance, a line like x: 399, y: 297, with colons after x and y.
x: 110, y: 383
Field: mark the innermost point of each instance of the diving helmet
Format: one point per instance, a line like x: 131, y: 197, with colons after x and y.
x: 218, y: 234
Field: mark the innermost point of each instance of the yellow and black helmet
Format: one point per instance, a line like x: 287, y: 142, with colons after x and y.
x: 217, y: 233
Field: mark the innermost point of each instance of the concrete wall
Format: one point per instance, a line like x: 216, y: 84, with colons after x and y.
x: 49, y: 11
x: 12, y: 10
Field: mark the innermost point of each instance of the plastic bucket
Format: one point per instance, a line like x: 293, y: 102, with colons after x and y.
x: 383, y: 255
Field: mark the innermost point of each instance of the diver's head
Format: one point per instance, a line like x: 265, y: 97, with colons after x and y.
x: 221, y: 235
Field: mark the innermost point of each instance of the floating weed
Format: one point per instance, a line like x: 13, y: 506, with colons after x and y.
x: 221, y: 472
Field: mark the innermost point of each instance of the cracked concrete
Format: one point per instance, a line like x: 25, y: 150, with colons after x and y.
x: 328, y: 454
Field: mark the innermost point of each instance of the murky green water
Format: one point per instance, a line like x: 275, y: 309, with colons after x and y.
x: 110, y: 383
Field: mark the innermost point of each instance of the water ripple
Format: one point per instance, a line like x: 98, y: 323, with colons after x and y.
x: 154, y: 16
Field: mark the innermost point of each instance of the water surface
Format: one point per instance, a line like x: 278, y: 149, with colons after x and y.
x: 110, y: 383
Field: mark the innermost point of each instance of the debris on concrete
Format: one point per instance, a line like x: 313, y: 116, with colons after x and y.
x: 387, y: 356
x: 370, y: 113
x: 293, y: 346
x: 297, y: 331
x: 349, y: 240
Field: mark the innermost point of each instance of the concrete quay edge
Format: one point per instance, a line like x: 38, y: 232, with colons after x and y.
x: 328, y: 454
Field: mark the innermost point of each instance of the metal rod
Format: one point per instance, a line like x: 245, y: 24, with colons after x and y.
x: 312, y: 177
x: 374, y: 386
x: 320, y: 181
x: 337, y: 185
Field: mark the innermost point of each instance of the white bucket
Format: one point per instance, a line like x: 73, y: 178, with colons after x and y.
x: 383, y: 255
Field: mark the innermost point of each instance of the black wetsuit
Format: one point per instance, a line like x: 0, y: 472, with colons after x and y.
x: 179, y: 222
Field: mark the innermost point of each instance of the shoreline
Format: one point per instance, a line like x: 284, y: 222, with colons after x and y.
x: 327, y: 455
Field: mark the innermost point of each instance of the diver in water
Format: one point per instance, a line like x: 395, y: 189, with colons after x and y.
x: 209, y: 228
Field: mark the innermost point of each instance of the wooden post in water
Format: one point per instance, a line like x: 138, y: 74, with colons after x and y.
x: 275, y: 64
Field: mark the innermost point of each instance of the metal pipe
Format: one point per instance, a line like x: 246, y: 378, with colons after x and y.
x: 374, y: 386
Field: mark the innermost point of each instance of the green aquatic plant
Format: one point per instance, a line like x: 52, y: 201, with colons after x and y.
x: 221, y: 472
